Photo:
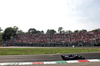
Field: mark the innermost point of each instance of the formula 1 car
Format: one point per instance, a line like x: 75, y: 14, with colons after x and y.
x: 72, y: 57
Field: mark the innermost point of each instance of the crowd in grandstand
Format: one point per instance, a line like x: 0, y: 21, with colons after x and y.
x: 56, y: 38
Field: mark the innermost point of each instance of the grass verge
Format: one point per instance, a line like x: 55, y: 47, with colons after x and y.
x: 32, y: 51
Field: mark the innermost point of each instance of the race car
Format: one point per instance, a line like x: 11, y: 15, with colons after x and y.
x: 72, y: 57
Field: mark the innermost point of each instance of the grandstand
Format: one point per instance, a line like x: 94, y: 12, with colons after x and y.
x: 77, y: 39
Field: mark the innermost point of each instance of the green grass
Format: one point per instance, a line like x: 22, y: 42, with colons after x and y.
x: 32, y: 51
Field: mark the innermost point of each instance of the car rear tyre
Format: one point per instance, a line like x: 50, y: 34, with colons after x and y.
x: 63, y: 57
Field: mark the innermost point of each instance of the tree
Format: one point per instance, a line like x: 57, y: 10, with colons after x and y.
x: 15, y: 29
x: 20, y: 32
x: 76, y: 31
x: 32, y: 31
x: 51, y: 31
x: 69, y: 32
x: 40, y: 32
x: 0, y: 30
x: 96, y: 30
x: 60, y: 29
x: 9, y: 33
x: 63, y: 31
x: 83, y: 30
x: 0, y: 34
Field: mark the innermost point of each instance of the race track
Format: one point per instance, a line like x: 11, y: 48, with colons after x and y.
x: 49, y: 57
x: 41, y: 58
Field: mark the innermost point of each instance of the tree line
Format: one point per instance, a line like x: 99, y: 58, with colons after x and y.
x: 10, y: 32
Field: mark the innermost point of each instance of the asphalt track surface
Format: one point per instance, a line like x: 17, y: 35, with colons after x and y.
x: 49, y: 57
x: 42, y: 58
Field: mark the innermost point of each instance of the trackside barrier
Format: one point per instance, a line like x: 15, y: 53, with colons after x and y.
x: 51, y: 62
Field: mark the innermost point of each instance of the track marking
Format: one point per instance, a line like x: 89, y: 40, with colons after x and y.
x: 51, y: 62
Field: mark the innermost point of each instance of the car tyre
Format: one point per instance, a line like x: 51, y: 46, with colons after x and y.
x: 63, y: 57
